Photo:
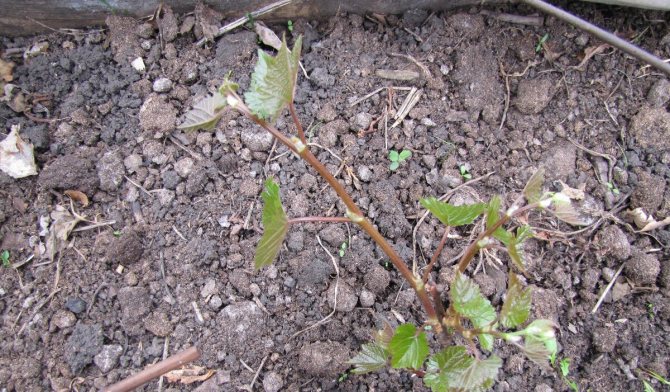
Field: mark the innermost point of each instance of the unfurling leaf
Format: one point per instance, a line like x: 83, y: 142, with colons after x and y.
x: 453, y: 369
x: 205, y: 114
x: 470, y: 303
x: 273, y: 81
x: 407, y: 348
x: 275, y: 226
x: 533, y: 189
x: 372, y: 357
x: 540, y: 341
x: 516, y: 307
x: 452, y: 215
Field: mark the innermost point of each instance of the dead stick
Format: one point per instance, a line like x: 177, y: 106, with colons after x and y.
x: 153, y: 371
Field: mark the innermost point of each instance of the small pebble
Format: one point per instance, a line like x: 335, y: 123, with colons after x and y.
x: 75, y: 305
x: 215, y: 302
x: 289, y: 282
x: 364, y: 173
x: 367, y: 299
x: 162, y: 85
x: 64, y: 319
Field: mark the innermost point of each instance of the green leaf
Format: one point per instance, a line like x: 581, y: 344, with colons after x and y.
x: 452, y: 215
x: 275, y: 224
x: 394, y: 166
x: 533, y: 189
x: 371, y: 358
x: 647, y: 386
x: 453, y: 369
x: 205, y: 114
x: 486, y: 341
x: 404, y: 154
x: 492, y: 217
x: 273, y: 81
x: 408, y: 349
x: 516, y: 308
x: 394, y: 156
x: 536, y: 351
x: 564, y: 364
x: 540, y: 341
x: 523, y: 233
x: 470, y: 303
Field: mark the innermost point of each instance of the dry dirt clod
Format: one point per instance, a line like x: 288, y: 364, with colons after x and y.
x: 642, y: 268
x: 612, y: 242
x: 534, y: 95
x: 650, y: 128
x: 323, y: 358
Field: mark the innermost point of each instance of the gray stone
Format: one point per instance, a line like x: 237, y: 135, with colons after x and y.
x: 256, y: 140
x: 170, y: 179
x: 367, y: 299
x: 108, y: 357
x: 215, y: 302
x: 659, y: 93
x: 208, y: 289
x: 346, y: 297
x: 322, y: 78
x: 75, y: 305
x: 63, y: 319
x: 272, y: 382
x: 184, y: 166
x: 323, y: 359
x: 362, y: 121
x: 132, y: 162
x: 162, y: 85
x: 364, y: 173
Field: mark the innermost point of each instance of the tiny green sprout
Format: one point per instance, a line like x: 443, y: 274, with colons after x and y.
x: 538, y: 47
x: 289, y: 24
x: 4, y: 256
x: 387, y: 265
x: 343, y: 249
x: 564, y: 365
x: 397, y: 158
x: 647, y: 386
x: 117, y: 233
x: 612, y: 188
x: 650, y: 310
x: 465, y: 172
x: 343, y: 377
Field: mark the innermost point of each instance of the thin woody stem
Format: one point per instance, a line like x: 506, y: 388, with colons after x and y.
x: 354, y: 212
x: 473, y: 248
x: 436, y: 255
x: 298, y: 124
x: 308, y: 219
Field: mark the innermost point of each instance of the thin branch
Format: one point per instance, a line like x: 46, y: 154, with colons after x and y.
x: 310, y: 219
x: 298, y: 125
x: 436, y: 255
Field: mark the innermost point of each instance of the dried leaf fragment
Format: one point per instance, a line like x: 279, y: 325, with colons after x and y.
x: 77, y: 196
x: 17, y: 158
x: 267, y: 36
x: 6, y: 68
x: 189, y: 374
x: 63, y: 222
x: 397, y: 74
x: 646, y: 222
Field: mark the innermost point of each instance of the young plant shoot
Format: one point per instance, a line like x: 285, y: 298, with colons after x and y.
x: 469, y: 367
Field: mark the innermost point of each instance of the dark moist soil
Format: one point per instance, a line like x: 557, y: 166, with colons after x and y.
x: 175, y: 268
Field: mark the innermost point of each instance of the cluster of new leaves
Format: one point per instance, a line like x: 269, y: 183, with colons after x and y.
x: 271, y: 90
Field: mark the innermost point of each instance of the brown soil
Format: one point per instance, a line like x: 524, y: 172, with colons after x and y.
x: 186, y: 207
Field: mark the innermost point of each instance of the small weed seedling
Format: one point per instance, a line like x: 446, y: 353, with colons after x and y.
x: 397, y: 158
x: 564, y: 365
x: 470, y: 366
x: 4, y: 257
x: 652, y: 374
x: 465, y: 172
x: 540, y: 43
x: 343, y: 249
x: 289, y: 25
x: 612, y: 188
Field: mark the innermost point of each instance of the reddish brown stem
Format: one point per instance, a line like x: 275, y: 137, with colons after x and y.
x: 436, y: 255
x: 353, y: 210
x: 298, y: 124
x: 153, y: 371
x: 439, y: 306
x: 309, y: 219
x: 473, y: 248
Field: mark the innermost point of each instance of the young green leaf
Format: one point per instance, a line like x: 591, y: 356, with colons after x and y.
x: 470, y: 303
x: 394, y: 156
x: 533, y: 189
x: 451, y: 215
x: 273, y: 81
x: 404, y: 155
x: 408, y: 349
x: 516, y: 307
x: 492, y: 217
x: 564, y: 364
x: 372, y: 357
x: 453, y: 369
x: 205, y: 114
x: 275, y: 226
x: 394, y: 165
x: 540, y: 341
x: 486, y: 341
